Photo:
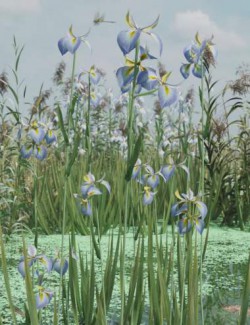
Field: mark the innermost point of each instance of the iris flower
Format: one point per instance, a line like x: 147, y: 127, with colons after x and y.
x: 43, y: 297
x: 126, y: 74
x: 33, y: 257
x: 168, y: 170
x: 148, y: 195
x: 167, y: 93
x: 191, y: 212
x: 127, y: 39
x: 70, y: 43
x: 88, y: 190
x: 194, y: 54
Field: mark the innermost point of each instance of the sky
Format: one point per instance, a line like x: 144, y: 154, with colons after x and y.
x: 39, y: 24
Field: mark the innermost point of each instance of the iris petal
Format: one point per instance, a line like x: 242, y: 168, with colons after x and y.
x: 50, y: 137
x: 199, y: 225
x: 167, y: 95
x: 127, y: 40
x: 185, y: 70
x: 42, y: 300
x: 202, y: 208
x: 148, y: 197
x: 40, y: 152
x: 37, y: 134
x: 198, y: 71
x: 62, y: 46
x: 125, y: 76
x: 60, y: 266
x: 148, y: 79
x: 153, y: 181
x: 26, y: 151
x: 168, y: 171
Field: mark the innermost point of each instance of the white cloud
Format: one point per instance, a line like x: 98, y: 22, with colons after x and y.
x: 19, y: 6
x: 187, y: 23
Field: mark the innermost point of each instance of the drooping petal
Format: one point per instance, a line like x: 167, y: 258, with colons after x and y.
x: 127, y: 40
x: 86, y: 208
x: 21, y: 268
x: 168, y: 95
x: 31, y: 251
x: 198, y: 71
x: 148, y: 196
x: 185, y: 70
x: 72, y: 43
x: 153, y: 181
x: 199, y: 225
x: 148, y: 79
x: 26, y: 151
x: 136, y: 169
x: 40, y: 152
x: 184, y: 226
x: 62, y: 46
x: 42, y: 300
x: 157, y: 39
x: 106, y: 184
x: 202, y: 208
x: 94, y: 99
x: 50, y: 137
x: 94, y: 75
x: 37, y: 134
x: 125, y: 76
x: 168, y: 171
x: 60, y: 265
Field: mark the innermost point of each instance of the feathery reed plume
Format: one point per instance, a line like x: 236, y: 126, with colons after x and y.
x: 59, y: 73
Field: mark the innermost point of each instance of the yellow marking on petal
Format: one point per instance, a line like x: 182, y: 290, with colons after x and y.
x: 165, y: 77
x: 167, y: 90
x: 177, y: 194
x: 129, y: 20
x: 86, y: 178
x: 129, y: 62
x: 71, y: 31
x: 197, y: 38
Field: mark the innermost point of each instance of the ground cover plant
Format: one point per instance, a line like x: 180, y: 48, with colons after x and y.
x: 111, y: 205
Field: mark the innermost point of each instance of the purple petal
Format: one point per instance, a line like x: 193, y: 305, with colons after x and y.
x: 185, y: 70
x: 125, y: 76
x: 148, y: 79
x: 199, y: 225
x: 127, y: 40
x: 168, y: 171
x: 40, y: 152
x: 148, y: 197
x: 167, y: 95
x: 50, y: 137
x: 26, y: 151
x: 37, y: 134
x: 198, y: 71
x: 60, y: 266
x: 42, y: 300
x: 62, y: 46
x: 202, y: 208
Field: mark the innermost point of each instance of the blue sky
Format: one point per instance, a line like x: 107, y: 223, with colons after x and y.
x: 38, y: 24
